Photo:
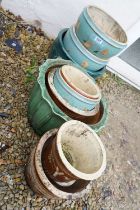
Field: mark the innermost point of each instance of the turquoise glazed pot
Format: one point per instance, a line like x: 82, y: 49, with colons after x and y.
x: 100, y: 33
x: 74, y: 98
x: 58, y: 50
x: 79, y: 54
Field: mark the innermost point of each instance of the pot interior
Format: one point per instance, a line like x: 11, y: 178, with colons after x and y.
x: 107, y: 24
x: 79, y: 81
x: 80, y: 147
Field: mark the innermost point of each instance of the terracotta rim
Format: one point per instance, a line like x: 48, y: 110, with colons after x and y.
x: 66, y: 104
x: 69, y: 83
x: 69, y: 167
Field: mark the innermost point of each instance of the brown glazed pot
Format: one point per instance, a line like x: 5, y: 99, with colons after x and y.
x: 42, y: 184
x: 76, y: 152
x: 52, y: 164
x: 93, y: 119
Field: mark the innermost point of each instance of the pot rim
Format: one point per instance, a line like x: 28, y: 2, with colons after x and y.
x: 96, y: 28
x: 69, y: 167
x: 74, y: 92
x: 44, y: 179
x: 65, y: 103
x: 82, y: 49
x: 75, y: 88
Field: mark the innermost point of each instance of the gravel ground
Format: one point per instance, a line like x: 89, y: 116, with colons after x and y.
x: 119, y: 187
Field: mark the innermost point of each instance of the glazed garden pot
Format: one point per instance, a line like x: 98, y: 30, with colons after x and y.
x: 41, y: 184
x: 76, y: 153
x: 79, y: 82
x: 96, y: 119
x: 44, y: 113
x: 100, y: 33
x: 58, y: 50
x: 79, y: 54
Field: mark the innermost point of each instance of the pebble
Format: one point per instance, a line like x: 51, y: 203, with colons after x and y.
x: 21, y: 187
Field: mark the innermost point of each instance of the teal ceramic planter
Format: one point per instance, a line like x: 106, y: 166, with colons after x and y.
x: 75, y: 99
x: 100, y: 33
x: 43, y: 113
x: 58, y: 50
x: 79, y: 54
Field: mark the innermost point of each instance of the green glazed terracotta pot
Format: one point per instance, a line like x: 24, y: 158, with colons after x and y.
x: 43, y: 113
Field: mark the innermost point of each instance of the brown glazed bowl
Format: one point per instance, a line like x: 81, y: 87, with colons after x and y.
x: 75, y: 153
x: 43, y: 185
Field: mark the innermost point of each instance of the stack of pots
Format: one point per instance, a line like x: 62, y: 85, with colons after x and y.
x: 64, y: 91
x: 65, y: 161
x: 91, y: 42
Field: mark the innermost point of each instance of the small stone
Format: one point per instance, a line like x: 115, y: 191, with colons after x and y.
x: 29, y: 134
x: 21, y: 187
x: 38, y: 200
x: 6, y: 198
x: 9, y: 207
x: 44, y: 208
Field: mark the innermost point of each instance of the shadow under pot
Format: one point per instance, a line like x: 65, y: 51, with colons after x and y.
x: 75, y: 153
x: 72, y: 112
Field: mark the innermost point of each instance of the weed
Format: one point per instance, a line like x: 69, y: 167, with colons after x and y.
x: 31, y: 70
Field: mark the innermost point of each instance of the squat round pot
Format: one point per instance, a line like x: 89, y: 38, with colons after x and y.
x: 57, y: 97
x: 41, y: 184
x: 76, y: 153
x: 96, y: 119
x: 80, y: 82
x: 79, y: 54
x: 100, y: 33
x: 74, y: 98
